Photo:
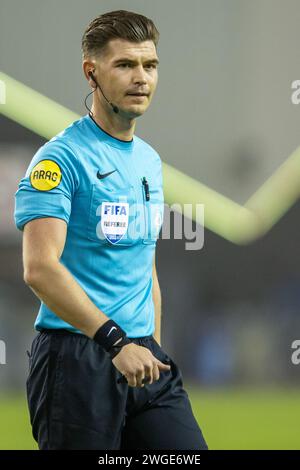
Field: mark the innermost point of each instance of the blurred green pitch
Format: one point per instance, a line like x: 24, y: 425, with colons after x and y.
x: 230, y: 418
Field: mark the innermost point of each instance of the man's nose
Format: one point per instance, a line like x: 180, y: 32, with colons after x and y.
x: 140, y: 75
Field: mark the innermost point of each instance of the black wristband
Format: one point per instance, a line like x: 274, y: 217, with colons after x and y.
x: 114, y: 350
x: 108, y: 334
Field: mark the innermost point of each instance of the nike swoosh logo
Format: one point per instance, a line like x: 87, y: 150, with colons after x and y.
x: 104, y: 175
x: 113, y: 328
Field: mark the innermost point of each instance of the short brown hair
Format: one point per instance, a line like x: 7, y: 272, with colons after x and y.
x: 120, y: 24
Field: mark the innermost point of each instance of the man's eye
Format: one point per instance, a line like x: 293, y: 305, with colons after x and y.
x: 147, y: 66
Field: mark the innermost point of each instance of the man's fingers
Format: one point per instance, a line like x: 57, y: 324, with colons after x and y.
x: 163, y: 366
x: 131, y: 381
x: 140, y: 377
x: 149, y: 373
x: 155, y: 372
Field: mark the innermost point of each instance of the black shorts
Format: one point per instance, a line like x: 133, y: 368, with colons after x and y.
x: 76, y: 402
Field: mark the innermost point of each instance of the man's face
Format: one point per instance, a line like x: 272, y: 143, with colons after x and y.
x: 125, y: 68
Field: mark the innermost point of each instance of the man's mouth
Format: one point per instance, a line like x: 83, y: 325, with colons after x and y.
x: 137, y: 94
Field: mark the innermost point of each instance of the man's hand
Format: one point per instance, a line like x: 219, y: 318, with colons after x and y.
x: 137, y: 362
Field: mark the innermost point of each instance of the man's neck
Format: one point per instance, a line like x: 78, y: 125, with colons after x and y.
x: 113, y: 124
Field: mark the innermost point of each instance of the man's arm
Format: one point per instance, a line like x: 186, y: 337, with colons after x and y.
x: 156, y: 295
x: 43, y: 244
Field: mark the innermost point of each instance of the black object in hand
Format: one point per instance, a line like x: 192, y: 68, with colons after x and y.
x: 124, y: 380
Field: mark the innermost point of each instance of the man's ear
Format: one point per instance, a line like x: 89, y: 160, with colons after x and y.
x: 88, y: 66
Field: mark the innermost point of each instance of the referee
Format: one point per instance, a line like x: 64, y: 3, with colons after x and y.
x: 91, y: 207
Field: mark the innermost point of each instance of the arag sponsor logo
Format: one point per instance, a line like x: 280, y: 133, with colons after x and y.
x: 45, y: 175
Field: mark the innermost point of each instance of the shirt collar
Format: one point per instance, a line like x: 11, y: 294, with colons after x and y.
x: 108, y: 138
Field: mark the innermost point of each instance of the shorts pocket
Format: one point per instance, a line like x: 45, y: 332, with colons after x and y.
x: 160, y: 354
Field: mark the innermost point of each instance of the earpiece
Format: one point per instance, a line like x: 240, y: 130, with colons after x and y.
x: 114, y: 107
x: 90, y: 74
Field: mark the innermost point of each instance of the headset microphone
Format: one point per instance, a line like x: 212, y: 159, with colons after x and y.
x: 114, y: 107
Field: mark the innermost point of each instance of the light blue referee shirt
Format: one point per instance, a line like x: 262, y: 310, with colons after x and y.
x: 109, y: 192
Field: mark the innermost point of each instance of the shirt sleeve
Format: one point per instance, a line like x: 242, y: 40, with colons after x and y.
x: 49, y: 185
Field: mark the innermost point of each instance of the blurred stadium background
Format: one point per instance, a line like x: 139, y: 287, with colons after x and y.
x: 222, y: 114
